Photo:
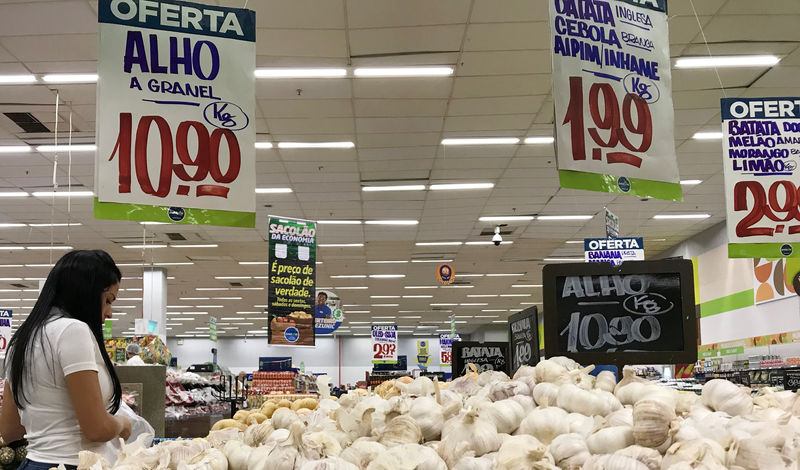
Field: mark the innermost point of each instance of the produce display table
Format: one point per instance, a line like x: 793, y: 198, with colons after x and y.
x: 149, y: 382
x: 191, y: 426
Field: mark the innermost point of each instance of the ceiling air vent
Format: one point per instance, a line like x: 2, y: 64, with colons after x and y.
x: 488, y: 232
x: 21, y: 286
x: 27, y: 122
x: 236, y: 284
x: 175, y: 236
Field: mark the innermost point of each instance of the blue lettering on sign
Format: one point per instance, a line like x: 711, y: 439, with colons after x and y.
x: 226, y: 115
x: 641, y: 86
x: 147, y: 61
x: 5, y: 322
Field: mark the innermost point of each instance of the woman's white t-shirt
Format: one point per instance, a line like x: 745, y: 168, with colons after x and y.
x: 52, y: 430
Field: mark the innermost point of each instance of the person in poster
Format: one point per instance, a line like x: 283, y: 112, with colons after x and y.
x: 321, y: 310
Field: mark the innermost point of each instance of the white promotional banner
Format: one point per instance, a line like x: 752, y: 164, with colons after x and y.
x: 761, y: 151
x: 612, y: 91
x: 5, y: 329
x: 384, y: 344
x: 446, y: 348
x: 175, y: 112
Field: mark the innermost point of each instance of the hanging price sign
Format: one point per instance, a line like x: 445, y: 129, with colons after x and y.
x: 175, y: 113
x: 5, y: 328
x: 761, y: 151
x: 384, y: 344
x: 613, y: 97
x: 446, y: 348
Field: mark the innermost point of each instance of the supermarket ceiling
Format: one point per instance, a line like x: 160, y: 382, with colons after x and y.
x: 500, y: 88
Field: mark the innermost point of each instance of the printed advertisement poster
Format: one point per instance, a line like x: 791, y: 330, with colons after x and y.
x: 212, y: 329
x: 761, y: 150
x: 328, y: 314
x: 384, y: 344
x: 423, y: 359
x: 613, y: 250
x: 446, y: 348
x: 292, y: 280
x: 5, y: 328
x: 771, y: 280
x: 175, y: 113
x: 108, y: 328
x: 612, y: 90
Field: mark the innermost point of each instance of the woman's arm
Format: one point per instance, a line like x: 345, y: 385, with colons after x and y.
x: 97, y: 424
x: 10, y: 427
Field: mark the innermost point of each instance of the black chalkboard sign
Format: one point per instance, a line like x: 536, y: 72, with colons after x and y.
x: 791, y: 379
x: 523, y: 338
x: 641, y: 312
x: 777, y: 378
x: 796, y: 283
x: 485, y: 356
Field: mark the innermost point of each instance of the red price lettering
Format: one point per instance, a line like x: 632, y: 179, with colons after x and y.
x: 782, y: 198
x: 206, y: 161
x: 383, y: 350
x: 446, y: 356
x: 609, y: 120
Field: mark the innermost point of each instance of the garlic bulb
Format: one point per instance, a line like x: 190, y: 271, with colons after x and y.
x: 653, y: 423
x: 528, y: 380
x: 581, y: 424
x: 610, y: 440
x: 721, y: 395
x: 429, y: 416
x: 696, y: 452
x: 401, y: 430
x: 552, y: 372
x: 525, y: 371
x: 581, y: 378
x: 451, y: 402
x: 621, y: 417
x: 506, y: 415
x: 545, y: 393
x: 606, y: 380
x: 92, y: 461
x: 255, y: 435
x: 420, y: 387
x: 209, y: 459
x: 465, y: 385
x: 651, y: 458
x: 569, y: 450
x: 408, y: 457
x: 283, y: 418
x: 237, y: 454
x: 628, y: 377
x: 613, y: 462
x: 752, y: 454
x: 565, y: 362
x: 686, y: 400
x: 331, y: 463
x: 545, y: 424
x: 321, y: 444
x: 523, y: 451
x: 362, y: 452
x: 503, y: 390
x: 469, y: 462
x: 525, y: 402
x: 577, y: 400
x: 489, y: 376
x: 468, y: 432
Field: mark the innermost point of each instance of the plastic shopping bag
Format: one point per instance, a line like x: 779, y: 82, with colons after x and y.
x: 141, y: 433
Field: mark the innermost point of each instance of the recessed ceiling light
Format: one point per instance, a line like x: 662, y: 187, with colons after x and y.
x: 470, y: 275
x: 315, y: 145
x: 352, y: 288
x: 417, y: 296
x: 473, y: 304
x: 526, y: 285
x: 70, y: 78
x: 358, y: 311
x: 407, y: 187
x: 437, y: 71
x: 349, y: 276
x: 539, y: 140
x: 555, y: 260
x: 11, y: 225
x: 67, y: 148
x: 707, y: 135
x: 482, y: 295
x: 279, y: 72
x: 564, y: 217
x: 680, y: 216
x: 499, y: 321
x: 690, y: 182
x: 72, y: 224
x: 141, y: 247
x: 504, y: 275
x: 506, y: 218
x: 384, y: 305
x: 339, y: 222
x: 384, y: 296
x: 420, y: 287
x: 574, y: 242
x: 63, y: 193
x: 457, y: 286
x: 388, y: 262
x: 13, y: 194
x: 202, y: 245
x: 48, y: 247
x: 233, y: 277
x: 431, y: 260
x: 263, y: 145
x: 444, y: 305
x: 460, y: 186
x: 16, y: 79
x: 386, y: 276
x: 273, y: 190
x: 340, y: 245
x: 150, y: 222
x: 530, y: 303
x: 225, y: 298
x: 726, y: 61
x: 252, y: 262
x: 392, y: 222
x: 486, y: 242
x: 515, y: 295
x: 438, y: 244
x: 481, y: 141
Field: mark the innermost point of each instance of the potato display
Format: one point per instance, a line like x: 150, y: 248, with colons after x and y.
x: 552, y: 416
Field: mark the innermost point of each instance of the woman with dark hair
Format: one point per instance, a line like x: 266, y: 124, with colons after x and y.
x: 58, y: 374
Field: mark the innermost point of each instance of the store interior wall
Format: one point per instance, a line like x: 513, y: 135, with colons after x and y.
x: 491, y: 333
x: 725, y: 297
x: 241, y: 354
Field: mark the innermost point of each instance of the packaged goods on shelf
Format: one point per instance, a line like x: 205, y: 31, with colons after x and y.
x: 153, y: 350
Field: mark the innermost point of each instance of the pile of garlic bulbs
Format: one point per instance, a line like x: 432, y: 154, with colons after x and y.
x: 552, y: 416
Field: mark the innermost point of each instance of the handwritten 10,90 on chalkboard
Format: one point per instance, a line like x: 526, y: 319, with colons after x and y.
x: 640, y: 312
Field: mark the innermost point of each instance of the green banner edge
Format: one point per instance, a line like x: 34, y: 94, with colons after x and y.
x: 145, y: 213
x: 608, y: 184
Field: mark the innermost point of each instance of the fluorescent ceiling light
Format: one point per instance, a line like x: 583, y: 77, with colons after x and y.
x: 13, y: 194
x: 300, y: 72
x: 388, y: 262
x: 263, y: 145
x: 340, y: 245
x: 73, y: 224
x: 15, y: 148
x: 252, y: 262
x: 539, y: 140
x: 11, y: 225
x: 565, y: 217
x: 515, y: 295
x: 482, y: 295
x: 431, y: 260
x: 470, y: 275
x: 439, y: 244
x: 504, y: 275
x: 11, y: 266
x: 690, y: 182
x: 460, y: 186
x: 707, y: 135
x: 349, y: 276
x: 454, y: 286
x: 140, y: 247
x: 70, y: 78
x: 42, y: 247
x: 339, y: 222
x: 526, y: 285
x: 574, y: 242
x: 417, y: 296
x: 421, y: 287
x: 481, y: 141
x: 273, y: 190
x: 67, y: 148
x: 384, y: 297
x: 316, y: 145
x: 680, y: 216
x: 556, y: 260
x: 352, y: 288
x: 154, y: 223
x: 358, y: 311
x: 385, y: 305
x: 386, y: 276
x: 499, y: 321
x: 506, y: 218
x: 226, y: 298
x: 726, y: 61
x: 408, y: 187
x: 174, y: 263
x: 444, y: 305
x: 439, y: 71
x: 203, y: 245
x: 530, y: 303
x: 392, y: 222
x: 16, y: 79
x: 63, y: 194
x: 506, y: 242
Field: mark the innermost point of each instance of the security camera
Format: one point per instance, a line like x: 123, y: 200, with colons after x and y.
x: 497, y: 238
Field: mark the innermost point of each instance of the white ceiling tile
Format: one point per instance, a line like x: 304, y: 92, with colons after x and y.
x: 366, y: 42
x: 387, y: 13
x: 301, y: 42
